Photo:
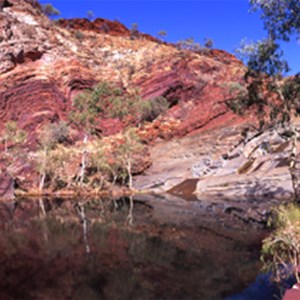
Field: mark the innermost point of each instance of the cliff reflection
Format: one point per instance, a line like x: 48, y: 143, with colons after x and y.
x: 122, y: 249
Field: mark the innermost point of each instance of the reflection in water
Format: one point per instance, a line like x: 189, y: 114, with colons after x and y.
x: 130, y: 213
x: 79, y: 207
x: 172, y: 250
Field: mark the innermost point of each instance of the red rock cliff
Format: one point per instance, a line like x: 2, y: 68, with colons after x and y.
x: 43, y: 64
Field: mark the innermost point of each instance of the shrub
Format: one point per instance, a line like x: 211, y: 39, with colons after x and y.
x: 90, y: 15
x: 154, y: 107
x: 208, y: 43
x: 50, y: 11
x: 134, y: 31
x: 281, y: 250
x: 109, y: 101
x: 53, y: 134
x: 12, y: 134
x: 162, y: 34
x: 79, y: 35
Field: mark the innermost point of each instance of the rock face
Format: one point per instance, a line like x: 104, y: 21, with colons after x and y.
x: 103, y: 26
x: 221, y: 163
x: 44, y: 64
x: 6, y: 187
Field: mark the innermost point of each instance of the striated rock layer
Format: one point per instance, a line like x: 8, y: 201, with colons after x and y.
x: 223, y: 164
x: 43, y: 64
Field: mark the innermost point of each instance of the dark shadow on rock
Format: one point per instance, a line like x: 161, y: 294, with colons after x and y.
x: 185, y: 189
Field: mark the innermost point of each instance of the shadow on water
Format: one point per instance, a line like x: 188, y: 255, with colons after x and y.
x: 142, y: 248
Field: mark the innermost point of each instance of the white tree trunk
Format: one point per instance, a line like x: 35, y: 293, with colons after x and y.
x: 128, y: 165
x: 42, y: 181
x: 81, y: 214
x: 130, y: 213
x: 81, y: 174
x: 43, y: 175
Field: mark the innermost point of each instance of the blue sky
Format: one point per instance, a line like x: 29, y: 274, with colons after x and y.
x: 227, y: 22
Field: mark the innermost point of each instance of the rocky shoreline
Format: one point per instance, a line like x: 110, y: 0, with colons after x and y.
x: 220, y: 163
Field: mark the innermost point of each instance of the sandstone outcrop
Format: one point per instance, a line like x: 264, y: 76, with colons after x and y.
x: 221, y: 163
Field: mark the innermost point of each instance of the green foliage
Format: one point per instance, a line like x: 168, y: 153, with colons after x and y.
x: 162, y: 34
x: 281, y: 250
x: 245, y: 97
x: 99, y: 159
x: 135, y: 27
x: 124, y: 154
x: 238, y: 101
x: 49, y: 160
x: 264, y: 89
x: 134, y: 31
x: 130, y: 145
x: 263, y: 56
x: 86, y: 107
x: 154, y: 107
x: 79, y: 35
x: 49, y: 10
x: 107, y: 100
x: 52, y: 163
x: 53, y: 134
x: 283, y: 216
x: 90, y: 15
x: 116, y: 164
x: 281, y: 18
x: 57, y: 164
x: 12, y: 134
x: 291, y: 92
x: 208, y: 43
x: 59, y: 131
x: 189, y: 44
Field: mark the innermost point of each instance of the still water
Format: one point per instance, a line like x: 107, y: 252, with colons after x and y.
x: 143, y: 248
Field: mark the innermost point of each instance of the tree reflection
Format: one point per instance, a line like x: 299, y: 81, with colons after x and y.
x: 129, y: 219
x: 80, y: 210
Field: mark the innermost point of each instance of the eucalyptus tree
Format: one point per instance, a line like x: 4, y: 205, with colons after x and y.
x: 208, y: 43
x: 162, y: 34
x: 281, y: 17
x: 85, y: 109
x: 266, y: 90
x: 47, y: 161
x: 282, y: 20
x: 128, y: 148
x: 49, y: 10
